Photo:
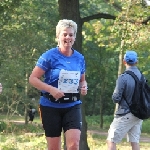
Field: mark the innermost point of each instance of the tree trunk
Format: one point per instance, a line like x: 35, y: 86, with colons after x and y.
x: 26, y: 114
x: 124, y: 34
x: 93, y: 102
x: 69, y: 9
x: 83, y: 140
x: 120, y: 67
x: 25, y: 96
x: 101, y: 112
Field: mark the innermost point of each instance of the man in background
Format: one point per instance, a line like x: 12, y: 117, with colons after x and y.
x: 124, y: 121
x: 31, y: 114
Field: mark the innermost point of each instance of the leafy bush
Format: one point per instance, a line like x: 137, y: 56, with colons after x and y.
x: 94, y: 121
x: 145, y: 126
x: 107, y: 121
x: 3, y: 126
x: 10, y: 127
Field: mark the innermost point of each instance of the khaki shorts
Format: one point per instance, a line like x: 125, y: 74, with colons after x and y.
x: 122, y: 125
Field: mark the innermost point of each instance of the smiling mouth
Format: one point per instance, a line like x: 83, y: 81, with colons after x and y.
x: 68, y: 42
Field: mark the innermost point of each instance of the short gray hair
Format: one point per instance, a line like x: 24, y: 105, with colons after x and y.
x: 66, y: 24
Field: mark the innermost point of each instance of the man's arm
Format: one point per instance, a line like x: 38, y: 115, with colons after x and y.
x: 119, y: 89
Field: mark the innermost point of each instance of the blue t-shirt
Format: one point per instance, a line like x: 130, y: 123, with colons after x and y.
x: 52, y: 62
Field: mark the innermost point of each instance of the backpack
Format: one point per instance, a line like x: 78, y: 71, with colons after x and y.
x: 140, y: 103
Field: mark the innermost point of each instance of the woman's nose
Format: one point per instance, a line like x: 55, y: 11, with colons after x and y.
x: 68, y: 36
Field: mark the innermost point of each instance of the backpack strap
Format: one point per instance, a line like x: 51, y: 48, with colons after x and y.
x: 133, y: 75
x: 136, y: 81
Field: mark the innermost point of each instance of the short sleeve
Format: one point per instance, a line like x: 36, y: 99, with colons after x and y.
x: 44, y: 61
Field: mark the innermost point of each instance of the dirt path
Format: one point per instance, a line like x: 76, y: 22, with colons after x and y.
x: 143, y: 138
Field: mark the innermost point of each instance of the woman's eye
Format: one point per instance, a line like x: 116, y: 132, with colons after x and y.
x: 65, y: 35
x: 70, y: 35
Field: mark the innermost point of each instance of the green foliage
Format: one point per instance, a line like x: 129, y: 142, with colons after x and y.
x: 17, y: 128
x: 94, y: 122
x: 145, y: 126
x: 91, y: 7
x: 102, y: 43
x: 3, y: 126
x: 28, y: 32
x: 7, y: 5
x: 101, y: 70
x: 20, y: 142
x: 108, y: 120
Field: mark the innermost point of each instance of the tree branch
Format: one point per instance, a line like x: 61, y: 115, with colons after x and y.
x: 108, y: 16
x: 98, y: 16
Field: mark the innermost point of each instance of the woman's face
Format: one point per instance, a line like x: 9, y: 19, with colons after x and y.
x: 66, y: 38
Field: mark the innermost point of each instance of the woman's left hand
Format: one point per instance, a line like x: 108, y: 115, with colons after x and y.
x: 83, y: 90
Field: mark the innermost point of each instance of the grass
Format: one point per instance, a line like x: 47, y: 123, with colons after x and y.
x: 33, y: 142
x: 98, y: 142
x: 23, y: 137
x: 19, y: 118
x: 22, y: 142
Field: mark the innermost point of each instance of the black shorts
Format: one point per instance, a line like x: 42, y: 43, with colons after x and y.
x: 54, y: 119
x: 31, y: 117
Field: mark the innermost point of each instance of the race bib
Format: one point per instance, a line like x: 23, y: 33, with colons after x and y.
x: 69, y: 81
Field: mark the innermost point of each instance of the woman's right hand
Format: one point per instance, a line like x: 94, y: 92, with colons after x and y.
x: 56, y: 93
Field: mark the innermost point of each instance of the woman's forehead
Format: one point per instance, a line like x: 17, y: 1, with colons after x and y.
x: 71, y: 30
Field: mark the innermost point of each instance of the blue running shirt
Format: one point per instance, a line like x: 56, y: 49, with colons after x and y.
x: 52, y: 62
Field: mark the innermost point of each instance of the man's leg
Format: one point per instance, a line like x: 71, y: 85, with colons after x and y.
x: 120, y: 126
x: 111, y: 145
x: 134, y: 134
x: 135, y: 146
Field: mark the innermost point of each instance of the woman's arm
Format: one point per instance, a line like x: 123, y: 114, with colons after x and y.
x: 35, y: 81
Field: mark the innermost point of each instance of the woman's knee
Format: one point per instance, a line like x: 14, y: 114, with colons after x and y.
x: 74, y: 145
x: 72, y: 139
